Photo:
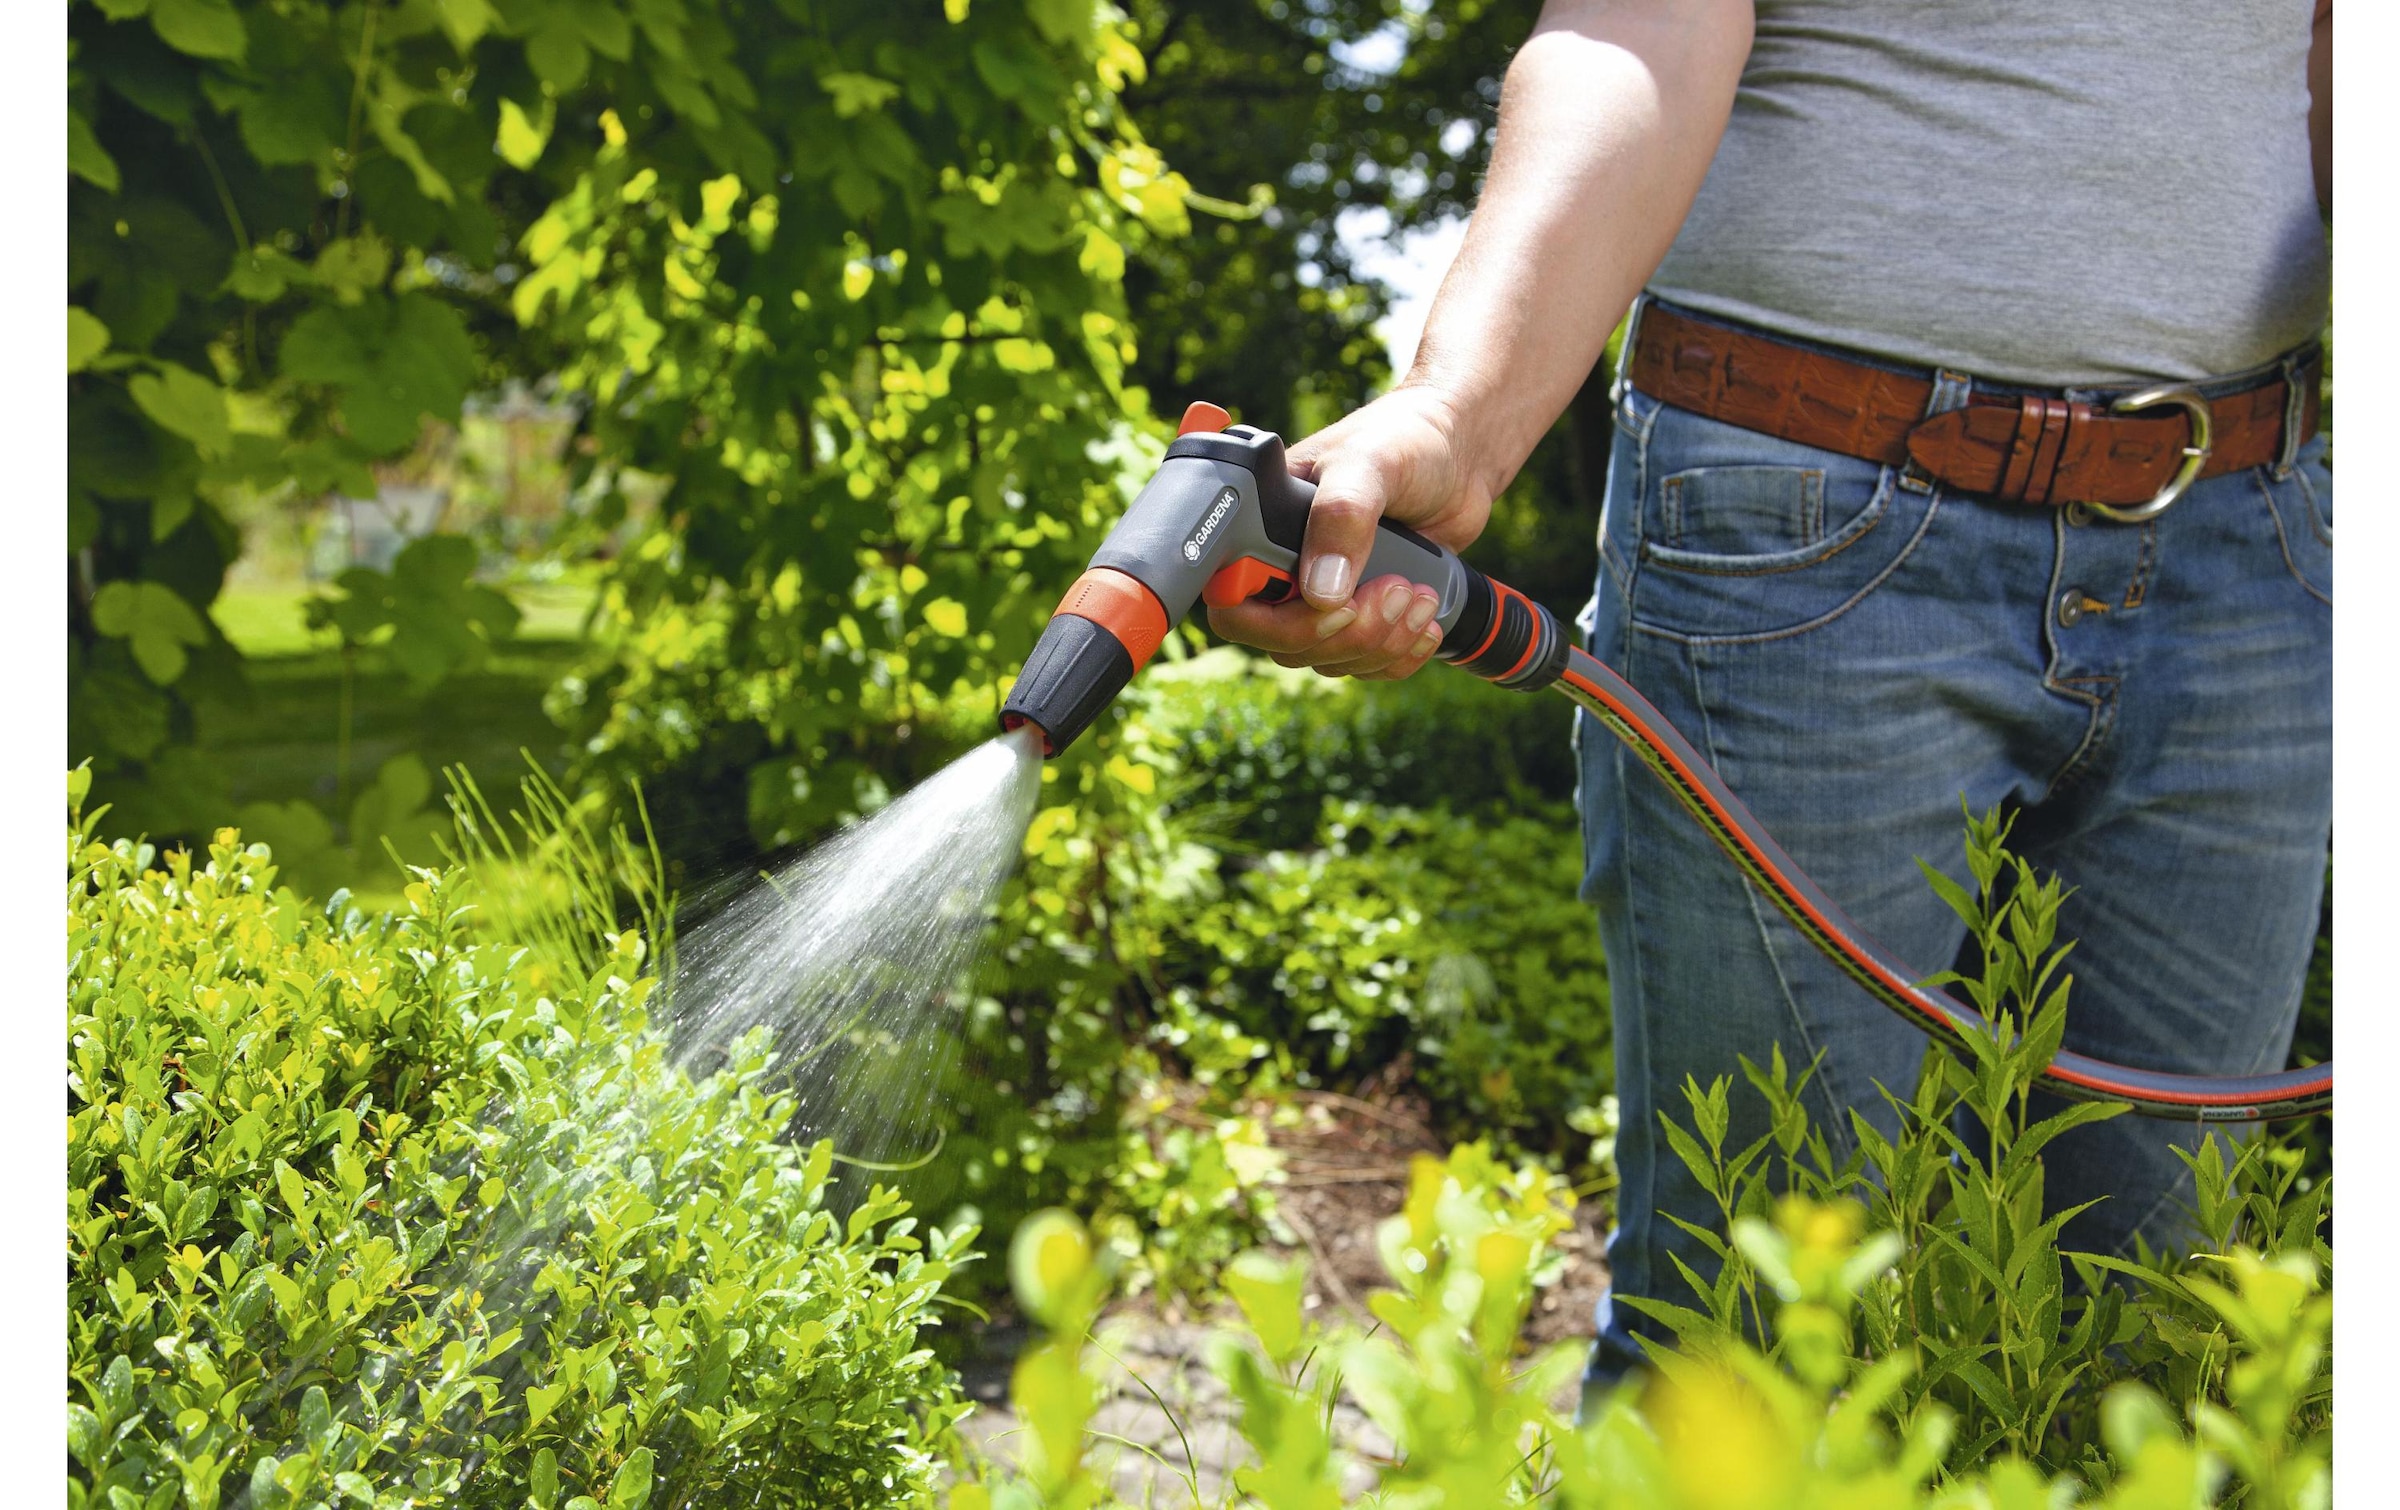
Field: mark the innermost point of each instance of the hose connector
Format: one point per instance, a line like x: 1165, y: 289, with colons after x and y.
x: 1505, y: 637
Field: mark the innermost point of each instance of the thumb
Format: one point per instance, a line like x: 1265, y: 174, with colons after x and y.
x: 1341, y: 528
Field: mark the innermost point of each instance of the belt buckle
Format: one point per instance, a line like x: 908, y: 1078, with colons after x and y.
x: 2195, y: 456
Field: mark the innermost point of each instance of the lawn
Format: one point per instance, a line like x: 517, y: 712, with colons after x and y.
x: 286, y: 743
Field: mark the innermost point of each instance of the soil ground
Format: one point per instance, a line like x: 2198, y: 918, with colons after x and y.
x: 1346, y: 1168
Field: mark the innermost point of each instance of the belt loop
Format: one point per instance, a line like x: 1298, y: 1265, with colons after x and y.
x: 1951, y: 390
x: 1633, y: 334
x: 2296, y: 369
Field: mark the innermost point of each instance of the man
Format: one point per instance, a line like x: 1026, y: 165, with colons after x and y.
x: 1876, y: 532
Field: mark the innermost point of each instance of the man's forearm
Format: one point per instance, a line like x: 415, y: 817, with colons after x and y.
x: 1608, y: 118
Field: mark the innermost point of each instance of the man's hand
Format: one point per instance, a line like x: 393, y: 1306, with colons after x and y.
x: 1608, y: 117
x: 1398, y: 457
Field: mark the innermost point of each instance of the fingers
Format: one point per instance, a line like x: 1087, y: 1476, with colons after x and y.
x: 1351, y: 496
x: 1387, y: 630
x: 1289, y: 628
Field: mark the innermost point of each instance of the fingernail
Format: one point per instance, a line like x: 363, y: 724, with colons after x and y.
x: 1329, y: 579
x: 1430, y: 640
x: 1395, y: 602
x: 1420, y: 609
x: 1335, y: 622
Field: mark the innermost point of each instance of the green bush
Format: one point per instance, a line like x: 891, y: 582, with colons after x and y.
x: 1895, y: 1328
x: 1723, y: 1426
x: 385, y: 1211
x: 1267, y: 746
x: 1457, y: 939
x: 2013, y: 1339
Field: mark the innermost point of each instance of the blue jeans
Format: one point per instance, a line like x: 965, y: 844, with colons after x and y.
x: 1855, y: 650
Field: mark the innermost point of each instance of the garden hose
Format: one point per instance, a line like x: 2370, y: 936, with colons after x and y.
x: 1223, y: 521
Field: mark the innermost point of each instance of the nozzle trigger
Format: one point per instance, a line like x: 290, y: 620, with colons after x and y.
x: 1246, y: 579
x: 1201, y: 415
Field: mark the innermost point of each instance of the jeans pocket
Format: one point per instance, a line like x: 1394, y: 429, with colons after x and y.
x: 1750, y: 520
x: 1744, y: 536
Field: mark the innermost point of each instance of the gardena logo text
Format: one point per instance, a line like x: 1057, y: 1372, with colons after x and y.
x: 1192, y: 548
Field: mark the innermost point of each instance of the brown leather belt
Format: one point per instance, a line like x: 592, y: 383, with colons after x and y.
x: 2018, y: 448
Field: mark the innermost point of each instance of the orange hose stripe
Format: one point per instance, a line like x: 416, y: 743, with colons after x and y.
x: 1873, y: 969
x: 1533, y: 637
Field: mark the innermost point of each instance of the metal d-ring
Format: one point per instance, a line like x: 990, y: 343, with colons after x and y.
x: 2195, y: 456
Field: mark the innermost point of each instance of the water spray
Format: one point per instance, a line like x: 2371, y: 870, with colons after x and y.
x: 1222, y: 522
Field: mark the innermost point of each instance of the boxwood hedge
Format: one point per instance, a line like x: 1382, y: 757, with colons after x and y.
x: 383, y: 1211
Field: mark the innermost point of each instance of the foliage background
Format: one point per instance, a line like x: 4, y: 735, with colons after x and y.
x: 851, y: 318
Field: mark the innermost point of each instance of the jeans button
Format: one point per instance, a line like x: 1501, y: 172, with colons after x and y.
x: 2070, y: 607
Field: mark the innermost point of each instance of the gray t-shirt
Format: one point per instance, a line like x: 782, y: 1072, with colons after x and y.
x: 2027, y: 190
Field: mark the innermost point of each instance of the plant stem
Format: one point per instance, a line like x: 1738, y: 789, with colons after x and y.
x: 341, y: 747
x: 358, y: 100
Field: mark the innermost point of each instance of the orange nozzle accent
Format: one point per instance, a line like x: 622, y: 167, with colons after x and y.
x: 1120, y: 604
x: 1202, y: 415
x: 1240, y: 581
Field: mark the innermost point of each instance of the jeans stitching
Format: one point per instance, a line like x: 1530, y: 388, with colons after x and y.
x: 2144, y: 567
x: 1933, y: 508
x: 1853, y: 531
x: 1647, y: 1170
x: 1625, y: 574
x: 2283, y: 541
x: 2316, y: 510
x: 2097, y: 693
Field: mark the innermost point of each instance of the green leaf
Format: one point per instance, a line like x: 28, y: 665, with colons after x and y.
x: 86, y: 158
x: 606, y: 29
x: 393, y: 807
x: 184, y: 402
x: 948, y: 616
x: 303, y: 120
x: 354, y: 266
x: 465, y: 20
x: 169, y: 510
x: 202, y: 28
x: 1269, y: 1293
x: 1049, y: 1260
x: 1953, y: 894
x: 857, y: 93
x: 262, y: 274
x: 86, y: 337
x: 540, y: 1401
x: 630, y: 1489
x: 395, y: 360
x: 558, y: 56
x: 155, y: 621
x: 521, y: 138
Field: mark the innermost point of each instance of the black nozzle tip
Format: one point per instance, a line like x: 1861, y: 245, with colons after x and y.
x: 1077, y: 668
x: 1011, y: 721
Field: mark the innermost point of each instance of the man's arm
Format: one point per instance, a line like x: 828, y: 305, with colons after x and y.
x: 1609, y: 116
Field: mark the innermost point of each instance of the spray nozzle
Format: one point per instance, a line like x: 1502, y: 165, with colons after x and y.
x: 1222, y: 521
